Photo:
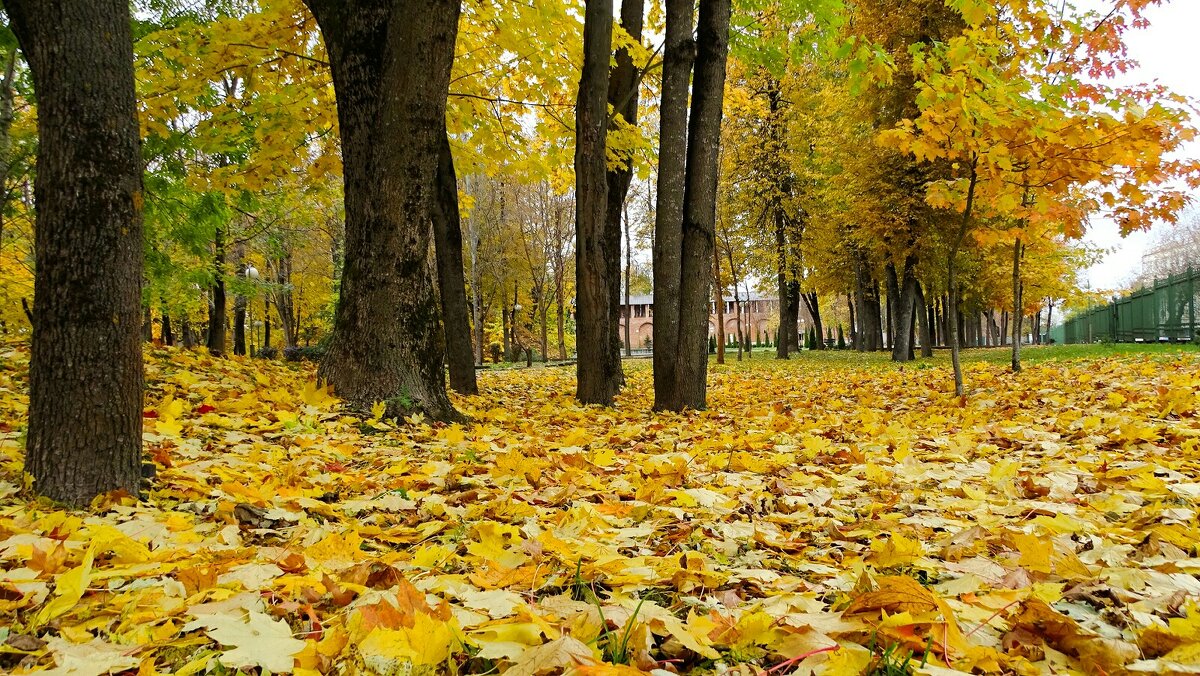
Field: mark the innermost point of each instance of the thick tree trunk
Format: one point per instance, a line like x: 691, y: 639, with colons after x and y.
x: 623, y: 97
x: 217, y: 305
x: 1018, y: 303
x: 452, y: 284
x: 85, y: 373
x: 390, y: 61
x: 904, y: 288
x: 598, y: 370
x: 679, y: 52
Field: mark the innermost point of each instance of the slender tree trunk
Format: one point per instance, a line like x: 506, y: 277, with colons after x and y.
x: 452, y: 285
x: 560, y: 311
x: 147, y: 324
x: 168, y: 336
x: 628, y: 272
x: 1049, y: 315
x: 1018, y: 309
x: 390, y: 61
x: 853, y: 327
x: 598, y: 370
x: 719, y: 306
x: 679, y: 52
x: 239, y: 305
x: 85, y: 374
x: 952, y: 278
x: 623, y: 97
x: 743, y: 343
x: 789, y: 306
x: 217, y: 308
x: 925, y: 319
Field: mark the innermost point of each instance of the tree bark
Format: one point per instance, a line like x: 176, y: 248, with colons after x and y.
x: 452, y: 284
x: 390, y: 61
x: 168, y: 336
x: 719, y: 306
x: 598, y: 370
x: 904, y: 287
x: 952, y: 277
x: 217, y: 306
x: 85, y: 374
x: 628, y: 272
x: 789, y: 307
x: 814, y: 311
x: 678, y: 55
x: 700, y: 204
x: 623, y: 97
x: 925, y: 319
x: 1018, y: 309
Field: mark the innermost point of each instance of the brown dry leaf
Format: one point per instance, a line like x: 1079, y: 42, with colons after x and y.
x: 895, y: 594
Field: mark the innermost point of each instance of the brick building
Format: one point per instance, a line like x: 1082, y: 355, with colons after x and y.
x: 760, y: 317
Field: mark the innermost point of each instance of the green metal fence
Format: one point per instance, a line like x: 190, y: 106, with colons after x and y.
x: 1164, y: 312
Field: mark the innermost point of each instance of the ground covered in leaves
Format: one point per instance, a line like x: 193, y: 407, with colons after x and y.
x: 825, y: 516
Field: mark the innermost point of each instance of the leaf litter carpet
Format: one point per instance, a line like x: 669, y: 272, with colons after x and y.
x: 833, y: 518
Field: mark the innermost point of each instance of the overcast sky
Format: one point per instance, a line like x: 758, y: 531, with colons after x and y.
x: 1167, y: 53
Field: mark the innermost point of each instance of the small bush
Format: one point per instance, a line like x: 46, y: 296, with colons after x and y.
x: 312, y: 353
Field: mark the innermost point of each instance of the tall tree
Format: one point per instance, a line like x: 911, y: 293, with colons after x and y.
x: 452, y: 284
x: 85, y: 375
x: 623, y: 86
x: 596, y: 261
x: 390, y: 61
x: 678, y: 54
x: 687, y: 389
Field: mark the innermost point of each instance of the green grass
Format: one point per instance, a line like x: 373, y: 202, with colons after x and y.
x: 1030, y: 354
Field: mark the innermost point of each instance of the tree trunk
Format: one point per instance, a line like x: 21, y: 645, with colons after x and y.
x: 628, y: 272
x: 904, y: 288
x: 216, y: 307
x: 853, y: 327
x: 85, y: 373
x: 623, y: 97
x: 390, y: 61
x: 789, y: 306
x: 147, y: 323
x: 814, y: 311
x: 743, y: 342
x: 598, y: 370
x: 679, y: 51
x: 168, y: 336
x: 452, y: 285
x: 719, y: 306
x: 700, y: 203
x: 952, y: 278
x: 925, y: 319
x: 1018, y: 309
x: 1049, y: 315
x: 239, y: 306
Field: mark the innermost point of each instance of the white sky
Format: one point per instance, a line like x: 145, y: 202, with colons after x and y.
x: 1167, y: 54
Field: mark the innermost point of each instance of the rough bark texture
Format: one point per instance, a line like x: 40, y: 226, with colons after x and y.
x: 452, y: 283
x: 390, y: 61
x: 789, y: 307
x: 952, y: 280
x: 598, y: 370
x: 679, y: 52
x: 623, y: 97
x: 903, y: 286
x: 217, y: 300
x: 924, y: 319
x: 700, y: 205
x: 812, y: 304
x: 1018, y: 309
x: 85, y: 373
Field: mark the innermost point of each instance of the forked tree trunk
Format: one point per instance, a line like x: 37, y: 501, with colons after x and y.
x: 85, y: 373
x: 390, y: 61
x: 679, y: 52
x: 452, y: 284
x: 700, y: 206
x: 811, y: 302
